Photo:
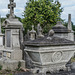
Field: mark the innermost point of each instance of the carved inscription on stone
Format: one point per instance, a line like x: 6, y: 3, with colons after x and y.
x: 57, y: 56
x: 6, y: 54
x: 0, y: 54
x: 8, y: 38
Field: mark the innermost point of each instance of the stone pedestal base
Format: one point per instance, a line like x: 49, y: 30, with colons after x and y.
x: 71, y: 36
x: 9, y: 59
x: 45, y: 69
x: 9, y: 64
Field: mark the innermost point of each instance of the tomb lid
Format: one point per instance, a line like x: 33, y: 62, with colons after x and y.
x: 60, y: 28
x: 55, y: 41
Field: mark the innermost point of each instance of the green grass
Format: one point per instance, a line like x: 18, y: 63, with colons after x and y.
x: 72, y: 59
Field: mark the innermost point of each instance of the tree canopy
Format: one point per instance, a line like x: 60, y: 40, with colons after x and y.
x: 45, y: 12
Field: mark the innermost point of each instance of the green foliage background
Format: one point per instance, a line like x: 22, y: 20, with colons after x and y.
x: 45, y: 12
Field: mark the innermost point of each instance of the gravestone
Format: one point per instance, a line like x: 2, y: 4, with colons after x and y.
x: 12, y: 54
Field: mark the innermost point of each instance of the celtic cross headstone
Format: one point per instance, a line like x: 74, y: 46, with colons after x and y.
x: 11, y: 6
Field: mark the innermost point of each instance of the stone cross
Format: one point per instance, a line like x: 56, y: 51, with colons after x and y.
x: 11, y: 7
x: 0, y: 23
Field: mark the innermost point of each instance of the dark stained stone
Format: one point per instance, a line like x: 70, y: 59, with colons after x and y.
x: 60, y: 73
x: 59, y: 28
x: 55, y: 41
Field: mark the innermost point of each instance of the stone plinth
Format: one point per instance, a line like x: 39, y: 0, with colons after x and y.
x: 11, y: 64
x: 10, y: 59
x: 49, y: 54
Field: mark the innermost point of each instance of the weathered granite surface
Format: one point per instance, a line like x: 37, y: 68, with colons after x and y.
x: 47, y: 42
x: 46, y: 54
x: 60, y: 28
x: 63, y: 31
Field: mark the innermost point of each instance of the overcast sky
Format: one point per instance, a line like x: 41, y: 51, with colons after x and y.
x: 68, y: 6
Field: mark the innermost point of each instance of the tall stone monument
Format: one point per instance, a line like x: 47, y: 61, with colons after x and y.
x: 71, y: 32
x: 63, y: 32
x: 13, y: 39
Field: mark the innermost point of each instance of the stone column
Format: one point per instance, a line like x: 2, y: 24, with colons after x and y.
x: 71, y: 32
x: 69, y: 22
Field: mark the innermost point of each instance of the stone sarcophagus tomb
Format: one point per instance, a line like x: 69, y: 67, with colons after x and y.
x: 49, y: 53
